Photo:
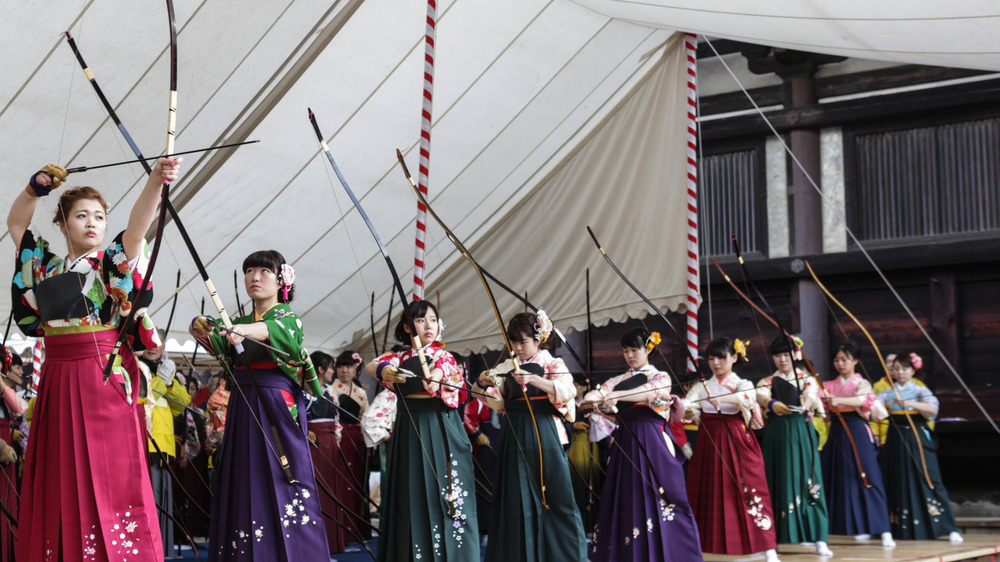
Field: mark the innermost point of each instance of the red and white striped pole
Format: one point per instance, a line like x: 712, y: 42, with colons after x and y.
x: 425, y: 147
x: 36, y: 364
x: 693, y: 282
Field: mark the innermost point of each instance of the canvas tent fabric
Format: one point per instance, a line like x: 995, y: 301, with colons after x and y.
x: 519, y: 85
x: 627, y: 179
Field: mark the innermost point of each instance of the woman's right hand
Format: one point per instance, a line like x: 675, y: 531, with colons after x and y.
x: 48, y: 178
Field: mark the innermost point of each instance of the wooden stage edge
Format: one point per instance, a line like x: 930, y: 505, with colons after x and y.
x: 975, y: 547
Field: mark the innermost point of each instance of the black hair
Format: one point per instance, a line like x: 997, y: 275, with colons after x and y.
x: 850, y: 350
x: 781, y: 344
x: 522, y: 326
x: 273, y: 260
x: 321, y: 361
x: 720, y: 347
x: 416, y: 309
x: 15, y: 359
x: 345, y: 359
x: 636, y: 337
x: 906, y: 360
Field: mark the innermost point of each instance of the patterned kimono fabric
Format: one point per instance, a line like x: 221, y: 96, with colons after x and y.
x: 86, y: 490
x: 522, y: 529
x: 636, y: 522
x: 790, y: 447
x: 422, y: 519
x: 352, y: 459
x: 916, y: 511
x: 853, y: 508
x: 256, y: 513
x: 729, y: 521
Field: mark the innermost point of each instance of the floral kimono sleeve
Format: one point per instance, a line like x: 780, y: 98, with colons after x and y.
x: 32, y: 264
x: 449, y: 374
x: 122, y: 278
x: 284, y: 329
x: 692, y: 403
x: 563, y: 397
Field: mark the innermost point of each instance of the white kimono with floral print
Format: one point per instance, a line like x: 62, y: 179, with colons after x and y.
x: 563, y: 397
x: 696, y: 400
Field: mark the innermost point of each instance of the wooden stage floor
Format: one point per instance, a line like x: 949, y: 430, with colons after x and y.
x: 975, y: 547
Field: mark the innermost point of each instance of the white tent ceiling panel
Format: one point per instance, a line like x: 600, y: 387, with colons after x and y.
x: 937, y: 33
x: 520, y: 86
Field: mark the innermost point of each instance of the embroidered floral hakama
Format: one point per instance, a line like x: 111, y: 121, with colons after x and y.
x: 257, y: 514
x: 790, y: 447
x: 86, y: 493
x: 422, y: 517
x: 916, y: 511
x: 636, y: 521
x: 727, y: 459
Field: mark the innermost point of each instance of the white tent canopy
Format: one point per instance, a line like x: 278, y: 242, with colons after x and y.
x: 520, y: 88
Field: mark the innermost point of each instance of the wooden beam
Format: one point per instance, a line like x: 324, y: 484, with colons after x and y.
x: 820, y: 115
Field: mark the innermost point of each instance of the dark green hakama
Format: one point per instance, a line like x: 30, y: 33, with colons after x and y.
x: 795, y: 478
x: 916, y: 512
x: 416, y: 522
x: 522, y: 529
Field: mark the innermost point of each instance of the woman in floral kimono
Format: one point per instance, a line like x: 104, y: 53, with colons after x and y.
x: 258, y: 512
x: 534, y: 516
x: 352, y: 459
x: 727, y: 485
x: 637, y: 521
x: 850, y: 456
x: 86, y: 491
x: 428, y: 495
x: 790, y: 447
x: 916, y: 510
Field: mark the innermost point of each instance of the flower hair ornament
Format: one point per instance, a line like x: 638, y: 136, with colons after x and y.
x: 287, y: 278
x: 653, y: 340
x: 797, y: 352
x: 741, y: 348
x: 916, y: 361
x: 543, y: 327
x: 441, y: 326
x: 356, y: 357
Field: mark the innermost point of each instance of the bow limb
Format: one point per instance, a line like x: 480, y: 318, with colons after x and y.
x: 496, y: 311
x: 808, y: 363
x: 449, y: 498
x: 881, y: 360
x: 173, y: 306
x: 167, y: 206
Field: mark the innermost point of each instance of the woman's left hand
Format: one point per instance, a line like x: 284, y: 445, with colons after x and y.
x: 168, y: 168
x: 524, y: 378
x: 234, y: 337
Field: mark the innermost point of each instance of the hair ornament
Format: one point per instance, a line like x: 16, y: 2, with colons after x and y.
x: 543, y: 327
x: 799, y: 344
x: 653, y: 340
x: 356, y: 357
x: 287, y: 277
x: 740, y: 346
x: 441, y: 326
x: 916, y: 361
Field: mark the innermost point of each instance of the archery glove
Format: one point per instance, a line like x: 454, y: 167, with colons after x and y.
x: 201, y: 326
x: 57, y: 175
x: 8, y: 455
